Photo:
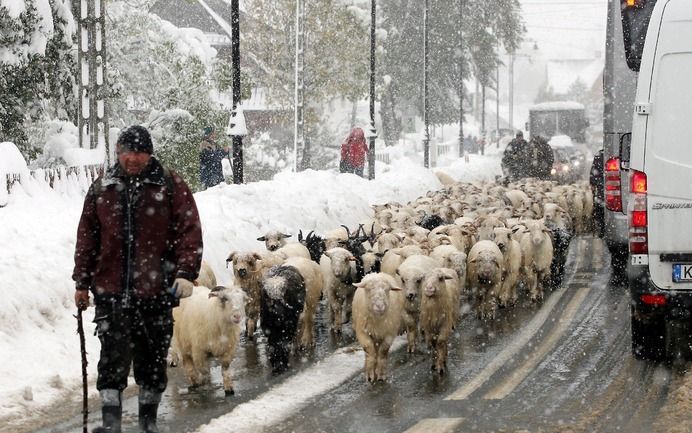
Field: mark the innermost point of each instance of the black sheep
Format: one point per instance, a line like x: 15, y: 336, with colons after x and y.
x: 315, y: 245
x: 561, y: 239
x: 282, y: 302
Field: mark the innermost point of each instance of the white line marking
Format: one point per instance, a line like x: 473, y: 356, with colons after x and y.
x: 502, y: 390
x: 436, y: 425
x: 286, y: 398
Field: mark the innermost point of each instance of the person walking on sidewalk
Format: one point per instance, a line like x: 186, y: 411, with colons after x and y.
x: 210, y: 159
x: 139, y: 247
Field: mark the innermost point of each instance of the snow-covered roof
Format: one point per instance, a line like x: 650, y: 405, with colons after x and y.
x: 557, y: 105
x: 563, y: 73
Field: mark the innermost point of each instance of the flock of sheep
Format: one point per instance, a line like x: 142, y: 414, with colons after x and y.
x: 409, y: 269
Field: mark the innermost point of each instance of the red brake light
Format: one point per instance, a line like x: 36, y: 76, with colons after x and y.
x: 613, y: 185
x: 638, y: 183
x: 653, y: 299
x: 613, y: 164
x: 639, y: 230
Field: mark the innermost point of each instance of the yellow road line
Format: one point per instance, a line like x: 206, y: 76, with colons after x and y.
x: 435, y: 425
x: 502, y: 390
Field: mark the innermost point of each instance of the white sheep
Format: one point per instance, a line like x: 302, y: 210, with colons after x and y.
x: 247, y: 270
x: 448, y: 256
x: 274, y: 239
x: 294, y: 249
x: 206, y: 277
x: 411, y: 273
x: 439, y: 310
x: 377, y: 313
x: 312, y: 276
x: 338, y: 273
x: 511, y: 266
x: 209, y: 323
x: 537, y: 256
x: 484, y: 277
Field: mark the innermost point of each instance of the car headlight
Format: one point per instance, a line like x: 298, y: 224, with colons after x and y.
x: 576, y: 163
x: 553, y: 171
x: 565, y: 168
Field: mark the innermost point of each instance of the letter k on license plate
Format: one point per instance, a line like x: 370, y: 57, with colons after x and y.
x: 682, y: 272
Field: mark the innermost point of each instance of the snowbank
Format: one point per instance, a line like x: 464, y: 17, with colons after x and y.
x: 11, y: 162
x: 36, y: 260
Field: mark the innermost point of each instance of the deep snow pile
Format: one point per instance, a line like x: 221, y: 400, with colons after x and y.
x: 39, y: 348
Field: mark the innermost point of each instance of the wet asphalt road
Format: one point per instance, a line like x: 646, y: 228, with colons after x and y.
x: 563, y: 366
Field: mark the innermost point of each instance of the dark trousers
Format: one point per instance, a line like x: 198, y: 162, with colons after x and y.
x: 137, y: 336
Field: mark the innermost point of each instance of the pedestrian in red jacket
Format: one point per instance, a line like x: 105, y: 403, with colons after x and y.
x: 353, y: 152
x: 139, y: 247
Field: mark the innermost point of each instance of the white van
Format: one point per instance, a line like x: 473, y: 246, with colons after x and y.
x: 660, y: 187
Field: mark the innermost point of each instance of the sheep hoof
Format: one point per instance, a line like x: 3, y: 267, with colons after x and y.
x: 228, y: 392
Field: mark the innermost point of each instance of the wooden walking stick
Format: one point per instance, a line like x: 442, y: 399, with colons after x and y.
x: 85, y: 386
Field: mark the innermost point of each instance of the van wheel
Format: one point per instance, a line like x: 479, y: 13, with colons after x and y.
x: 648, y: 337
x: 677, y: 341
x: 618, y: 263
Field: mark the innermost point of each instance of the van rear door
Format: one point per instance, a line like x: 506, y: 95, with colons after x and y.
x: 668, y: 151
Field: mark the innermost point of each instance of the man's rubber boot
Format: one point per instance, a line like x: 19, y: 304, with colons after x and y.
x: 111, y: 412
x: 148, y: 409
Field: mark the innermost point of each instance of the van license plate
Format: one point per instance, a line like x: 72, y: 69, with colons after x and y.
x: 682, y: 272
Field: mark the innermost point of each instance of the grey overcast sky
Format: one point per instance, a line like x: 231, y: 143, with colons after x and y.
x: 566, y: 28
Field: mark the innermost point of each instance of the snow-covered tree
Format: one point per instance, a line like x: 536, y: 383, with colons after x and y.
x: 486, y: 24
x: 37, y: 63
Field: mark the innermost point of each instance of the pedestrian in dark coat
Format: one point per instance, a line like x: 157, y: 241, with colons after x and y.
x: 139, y: 247
x: 542, y: 158
x: 353, y: 153
x: 514, y: 159
x: 210, y: 159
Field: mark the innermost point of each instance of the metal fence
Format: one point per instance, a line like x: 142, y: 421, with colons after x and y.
x: 54, y: 175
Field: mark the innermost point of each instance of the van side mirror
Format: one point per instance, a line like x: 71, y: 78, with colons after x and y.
x: 625, y: 145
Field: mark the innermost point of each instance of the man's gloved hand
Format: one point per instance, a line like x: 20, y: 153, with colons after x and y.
x: 81, y: 299
x: 182, y: 288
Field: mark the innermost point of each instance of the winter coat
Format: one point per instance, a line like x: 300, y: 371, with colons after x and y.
x: 210, y: 166
x: 354, y: 149
x: 544, y: 158
x: 136, y: 235
x: 515, y: 158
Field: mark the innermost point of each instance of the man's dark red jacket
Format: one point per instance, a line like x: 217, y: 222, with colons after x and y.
x: 136, y: 238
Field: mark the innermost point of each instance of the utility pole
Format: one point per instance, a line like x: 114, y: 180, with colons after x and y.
x: 497, y: 99
x: 511, y: 90
x: 93, y: 105
x: 372, y: 133
x: 461, y: 78
x: 426, y: 119
x: 235, y: 59
x: 299, y: 133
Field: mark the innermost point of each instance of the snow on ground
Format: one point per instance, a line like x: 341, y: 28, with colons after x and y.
x: 39, y: 348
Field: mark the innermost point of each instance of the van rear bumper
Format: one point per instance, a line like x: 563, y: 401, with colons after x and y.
x: 678, y: 304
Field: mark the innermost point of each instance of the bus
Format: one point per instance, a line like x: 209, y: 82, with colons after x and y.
x: 628, y: 21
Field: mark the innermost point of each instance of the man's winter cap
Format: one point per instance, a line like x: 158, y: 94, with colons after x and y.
x: 207, y: 132
x: 137, y: 139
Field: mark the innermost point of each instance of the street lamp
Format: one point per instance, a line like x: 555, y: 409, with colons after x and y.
x: 426, y: 120
x: 299, y: 115
x: 235, y: 60
x: 372, y: 132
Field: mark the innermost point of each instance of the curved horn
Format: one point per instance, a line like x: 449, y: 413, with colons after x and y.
x: 348, y: 231
x: 300, y: 235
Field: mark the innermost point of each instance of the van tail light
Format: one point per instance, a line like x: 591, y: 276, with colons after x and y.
x: 638, y: 216
x: 613, y: 196
x: 656, y: 300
